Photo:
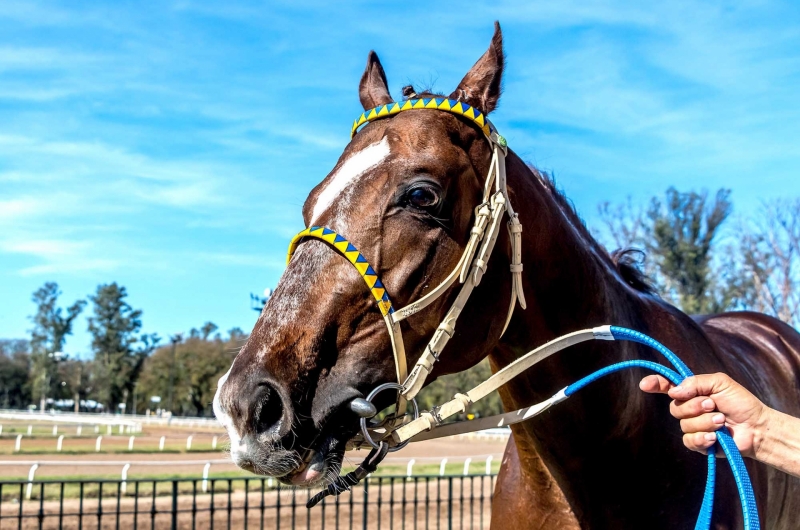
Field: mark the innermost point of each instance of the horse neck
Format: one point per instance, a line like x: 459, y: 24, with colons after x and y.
x: 570, y: 283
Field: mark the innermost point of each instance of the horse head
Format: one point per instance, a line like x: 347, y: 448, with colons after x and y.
x: 404, y: 193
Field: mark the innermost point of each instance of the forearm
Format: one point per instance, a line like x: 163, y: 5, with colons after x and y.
x: 778, y: 442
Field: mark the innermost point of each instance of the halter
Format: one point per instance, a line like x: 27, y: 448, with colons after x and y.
x: 469, y: 270
x: 399, y: 429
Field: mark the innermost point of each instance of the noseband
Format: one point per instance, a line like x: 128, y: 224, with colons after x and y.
x: 469, y: 270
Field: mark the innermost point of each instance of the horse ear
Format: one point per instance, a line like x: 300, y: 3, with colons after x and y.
x: 373, y: 91
x: 481, y: 88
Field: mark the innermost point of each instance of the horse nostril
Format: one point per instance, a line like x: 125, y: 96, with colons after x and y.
x: 269, y: 411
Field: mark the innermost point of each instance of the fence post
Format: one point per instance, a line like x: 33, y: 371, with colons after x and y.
x: 1, y: 429
x: 467, y: 462
x: 55, y: 430
x: 205, y: 477
x: 97, y: 444
x: 96, y: 428
x: 79, y: 429
x: 175, y: 505
x: 31, y: 474
x: 409, y: 467
x: 161, y: 443
x: 489, y: 465
x: 214, y: 442
x: 108, y: 429
x: 441, y: 467
x: 124, y: 485
x: 60, y: 442
x: 450, y: 503
x: 18, y: 444
x: 189, y: 443
x: 121, y: 426
x: 365, y: 517
x: 30, y: 430
x: 130, y: 443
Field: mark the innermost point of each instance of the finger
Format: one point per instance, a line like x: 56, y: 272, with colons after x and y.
x: 691, y: 408
x: 655, y: 384
x: 699, y: 441
x: 704, y: 423
x: 700, y: 385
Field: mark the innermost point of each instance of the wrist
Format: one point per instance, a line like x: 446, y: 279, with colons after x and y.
x: 762, y: 433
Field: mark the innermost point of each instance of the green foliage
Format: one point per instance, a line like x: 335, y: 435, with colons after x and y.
x: 199, y: 363
x: 119, y: 352
x: 15, y: 365
x: 682, y: 233
x: 50, y: 328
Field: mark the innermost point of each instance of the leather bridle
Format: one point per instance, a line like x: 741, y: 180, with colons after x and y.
x: 468, y: 272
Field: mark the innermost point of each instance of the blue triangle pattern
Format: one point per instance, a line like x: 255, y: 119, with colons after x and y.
x: 350, y: 248
x: 338, y: 239
x: 326, y: 231
x: 371, y: 271
x: 360, y: 258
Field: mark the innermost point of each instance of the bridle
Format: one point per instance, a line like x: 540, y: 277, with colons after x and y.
x: 399, y: 429
x: 469, y: 271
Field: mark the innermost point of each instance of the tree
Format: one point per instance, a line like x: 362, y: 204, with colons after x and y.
x: 50, y: 329
x: 680, y: 236
x: 770, y: 250
x: 15, y: 365
x: 119, y: 351
x: 199, y: 363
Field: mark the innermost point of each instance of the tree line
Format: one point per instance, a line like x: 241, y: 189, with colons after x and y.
x: 693, y: 252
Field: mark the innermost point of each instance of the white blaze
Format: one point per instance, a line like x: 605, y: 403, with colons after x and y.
x: 348, y: 175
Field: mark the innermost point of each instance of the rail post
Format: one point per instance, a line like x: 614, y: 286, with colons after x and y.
x: 161, y: 443
x: 1, y: 429
x: 78, y: 430
x: 31, y: 475
x: 97, y: 443
x: 189, y: 442
x: 489, y: 465
x: 120, y: 428
x: 441, y: 467
x: 175, y: 505
x: 18, y: 444
x: 55, y: 430
x: 410, y: 467
x: 467, y: 462
x: 130, y: 443
x: 205, y: 476
x: 108, y: 429
x: 30, y: 430
x: 214, y: 442
x: 59, y: 443
x: 124, y: 484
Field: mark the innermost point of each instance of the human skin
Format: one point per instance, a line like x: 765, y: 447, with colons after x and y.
x: 705, y: 403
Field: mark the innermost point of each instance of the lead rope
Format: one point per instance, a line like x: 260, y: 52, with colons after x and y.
x: 346, y: 482
x: 429, y: 421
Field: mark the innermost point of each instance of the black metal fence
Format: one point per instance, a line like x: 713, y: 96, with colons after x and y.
x: 389, y: 502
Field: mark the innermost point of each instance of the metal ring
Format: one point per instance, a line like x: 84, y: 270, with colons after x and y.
x: 363, y: 421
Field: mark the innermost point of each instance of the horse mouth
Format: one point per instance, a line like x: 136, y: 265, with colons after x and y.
x: 319, y: 466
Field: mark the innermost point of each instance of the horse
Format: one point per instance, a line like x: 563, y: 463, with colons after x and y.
x: 405, y: 191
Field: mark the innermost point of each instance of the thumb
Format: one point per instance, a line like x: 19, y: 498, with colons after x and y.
x: 655, y: 384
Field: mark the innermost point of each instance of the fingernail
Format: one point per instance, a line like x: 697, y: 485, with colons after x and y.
x: 708, y: 404
x: 678, y: 388
x: 718, y: 418
x: 710, y: 436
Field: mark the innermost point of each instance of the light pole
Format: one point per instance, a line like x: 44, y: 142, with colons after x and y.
x: 175, y: 339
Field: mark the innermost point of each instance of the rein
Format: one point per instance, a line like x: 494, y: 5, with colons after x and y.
x: 399, y: 429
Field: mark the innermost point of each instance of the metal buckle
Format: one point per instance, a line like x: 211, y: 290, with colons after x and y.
x: 363, y: 421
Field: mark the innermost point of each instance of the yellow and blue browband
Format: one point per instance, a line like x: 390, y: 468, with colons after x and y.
x: 449, y: 105
x: 346, y: 249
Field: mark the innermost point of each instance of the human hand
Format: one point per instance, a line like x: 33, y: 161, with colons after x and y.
x: 705, y: 403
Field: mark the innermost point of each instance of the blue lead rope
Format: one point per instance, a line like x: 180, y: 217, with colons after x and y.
x: 724, y: 439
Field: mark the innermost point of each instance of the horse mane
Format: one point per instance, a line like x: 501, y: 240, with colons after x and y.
x: 627, y: 261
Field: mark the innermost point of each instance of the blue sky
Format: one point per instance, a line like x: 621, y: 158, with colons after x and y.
x: 169, y: 146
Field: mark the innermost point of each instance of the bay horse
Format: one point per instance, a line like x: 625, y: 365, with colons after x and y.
x: 405, y: 191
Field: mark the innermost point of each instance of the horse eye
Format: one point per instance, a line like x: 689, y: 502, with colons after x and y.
x: 422, y: 198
